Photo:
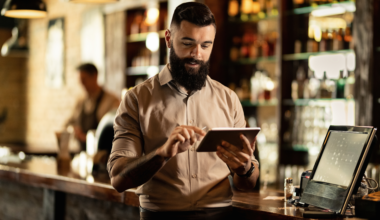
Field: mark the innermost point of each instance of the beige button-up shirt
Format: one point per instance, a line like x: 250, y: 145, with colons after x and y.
x: 145, y: 119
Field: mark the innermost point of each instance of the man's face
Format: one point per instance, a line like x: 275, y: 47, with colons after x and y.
x: 190, y: 52
x: 88, y: 81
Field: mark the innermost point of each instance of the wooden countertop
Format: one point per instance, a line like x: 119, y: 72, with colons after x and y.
x: 43, y: 172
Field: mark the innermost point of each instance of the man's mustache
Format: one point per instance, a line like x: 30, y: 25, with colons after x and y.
x: 192, y: 60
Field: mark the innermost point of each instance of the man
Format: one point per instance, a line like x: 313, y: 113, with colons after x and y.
x: 97, y: 103
x: 159, y: 123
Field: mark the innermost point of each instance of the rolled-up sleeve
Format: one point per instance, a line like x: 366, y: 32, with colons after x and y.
x: 128, y: 140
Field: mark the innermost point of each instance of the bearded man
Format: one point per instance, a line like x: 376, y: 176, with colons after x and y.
x: 158, y: 127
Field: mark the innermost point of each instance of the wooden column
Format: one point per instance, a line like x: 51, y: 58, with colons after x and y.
x: 364, y: 49
x: 115, y: 52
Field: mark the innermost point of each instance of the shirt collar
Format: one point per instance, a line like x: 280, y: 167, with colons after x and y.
x: 165, y: 76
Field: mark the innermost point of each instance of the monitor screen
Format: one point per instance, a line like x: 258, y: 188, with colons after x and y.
x: 340, y: 157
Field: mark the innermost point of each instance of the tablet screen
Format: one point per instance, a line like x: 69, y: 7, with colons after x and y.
x: 340, y: 157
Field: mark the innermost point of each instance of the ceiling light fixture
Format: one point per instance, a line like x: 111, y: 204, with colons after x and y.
x: 24, y: 9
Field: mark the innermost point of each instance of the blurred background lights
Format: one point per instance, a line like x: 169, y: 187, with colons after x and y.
x: 233, y: 8
x: 152, y: 16
x: 152, y: 70
x: 152, y: 41
x: 328, y: 11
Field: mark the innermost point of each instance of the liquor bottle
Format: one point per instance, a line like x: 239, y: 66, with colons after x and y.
x: 134, y: 27
x: 349, y: 88
x: 301, y: 82
x: 297, y: 46
x: 329, y: 41
x: 322, y: 44
x: 347, y: 38
x: 325, y: 92
x: 340, y: 85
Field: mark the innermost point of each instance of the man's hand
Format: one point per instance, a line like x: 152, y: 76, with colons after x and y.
x: 181, y: 138
x: 239, y: 160
x: 79, y: 134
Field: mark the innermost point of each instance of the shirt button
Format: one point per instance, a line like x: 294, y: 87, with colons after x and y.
x: 191, y: 121
x: 194, y: 175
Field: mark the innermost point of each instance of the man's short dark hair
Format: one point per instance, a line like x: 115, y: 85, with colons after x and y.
x: 193, y: 12
x: 88, y: 68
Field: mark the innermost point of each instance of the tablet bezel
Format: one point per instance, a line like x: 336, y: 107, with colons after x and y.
x: 215, y: 136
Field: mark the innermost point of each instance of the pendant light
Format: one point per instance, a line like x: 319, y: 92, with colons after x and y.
x: 93, y: 1
x: 24, y: 9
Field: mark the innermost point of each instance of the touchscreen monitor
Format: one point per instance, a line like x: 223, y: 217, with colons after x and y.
x: 340, y: 157
x: 339, y: 167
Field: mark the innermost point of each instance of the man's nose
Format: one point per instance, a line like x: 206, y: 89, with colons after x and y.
x: 196, y: 52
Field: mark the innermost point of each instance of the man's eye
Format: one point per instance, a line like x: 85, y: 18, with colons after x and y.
x: 186, y: 44
x: 204, y: 46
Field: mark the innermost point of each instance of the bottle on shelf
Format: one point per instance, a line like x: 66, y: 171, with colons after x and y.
x: 313, y: 86
x: 337, y: 40
x: 323, y: 43
x: 349, y: 87
x: 300, y: 82
x: 340, y: 86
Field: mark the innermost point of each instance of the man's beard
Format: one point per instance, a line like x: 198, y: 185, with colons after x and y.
x: 191, y: 79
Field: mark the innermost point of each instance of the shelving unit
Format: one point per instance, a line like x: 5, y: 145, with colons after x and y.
x: 143, y: 63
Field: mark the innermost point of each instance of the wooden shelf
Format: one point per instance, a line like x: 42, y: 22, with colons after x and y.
x: 247, y: 103
x: 142, y: 36
x: 305, y: 56
x: 314, y: 102
x: 349, y: 5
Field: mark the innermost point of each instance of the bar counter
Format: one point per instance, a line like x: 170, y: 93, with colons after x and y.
x: 66, y: 195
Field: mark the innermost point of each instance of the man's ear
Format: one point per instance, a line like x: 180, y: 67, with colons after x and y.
x: 167, y: 38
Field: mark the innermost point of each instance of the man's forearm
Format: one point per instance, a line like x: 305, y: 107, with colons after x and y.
x: 132, y: 172
x: 246, y: 184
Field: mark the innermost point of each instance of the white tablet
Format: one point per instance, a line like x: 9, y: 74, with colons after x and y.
x: 215, y: 136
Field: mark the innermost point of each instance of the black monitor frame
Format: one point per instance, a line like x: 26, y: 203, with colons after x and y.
x: 332, y: 196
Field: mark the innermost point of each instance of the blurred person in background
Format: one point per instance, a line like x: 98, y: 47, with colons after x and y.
x: 158, y: 126
x: 90, y: 110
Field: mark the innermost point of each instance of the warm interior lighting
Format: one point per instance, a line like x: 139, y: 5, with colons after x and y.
x: 246, y: 6
x: 328, y: 11
x: 152, y: 41
x: 255, y: 7
x: 298, y: 1
x: 317, y: 34
x: 24, y: 9
x: 152, y: 16
x: 93, y: 1
x: 233, y: 8
x: 25, y: 14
